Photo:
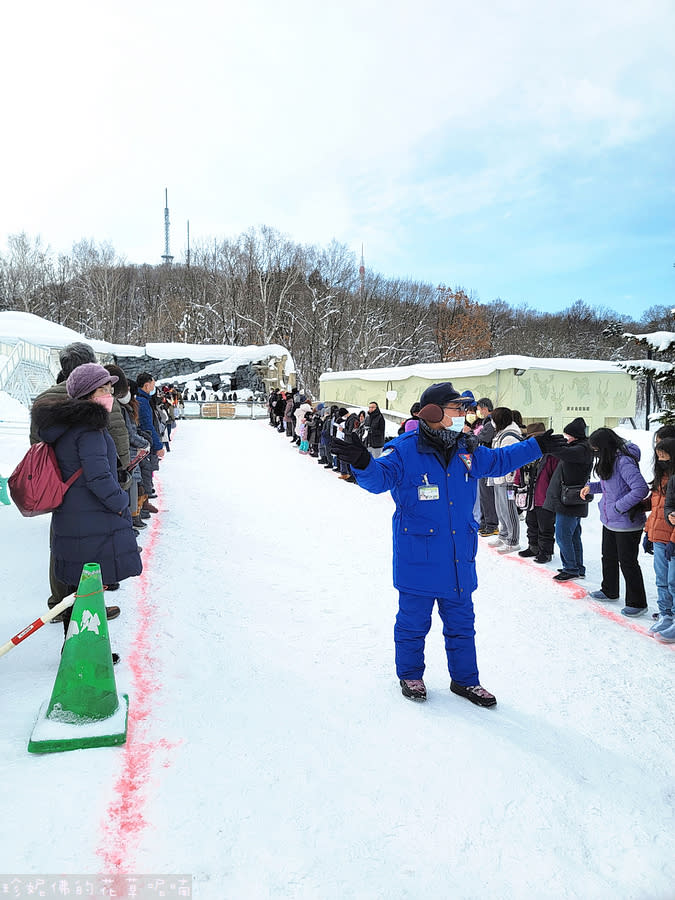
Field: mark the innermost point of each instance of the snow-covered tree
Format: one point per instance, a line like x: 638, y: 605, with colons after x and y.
x: 655, y: 374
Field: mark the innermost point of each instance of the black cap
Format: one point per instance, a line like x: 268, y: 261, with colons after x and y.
x: 440, y: 394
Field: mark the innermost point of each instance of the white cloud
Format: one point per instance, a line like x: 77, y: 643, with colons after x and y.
x: 319, y: 119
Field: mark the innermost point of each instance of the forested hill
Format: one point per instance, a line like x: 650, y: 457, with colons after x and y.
x: 262, y: 288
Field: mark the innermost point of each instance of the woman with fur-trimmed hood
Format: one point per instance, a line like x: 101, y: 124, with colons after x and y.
x: 93, y: 524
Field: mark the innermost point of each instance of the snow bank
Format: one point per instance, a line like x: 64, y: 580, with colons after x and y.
x: 11, y: 410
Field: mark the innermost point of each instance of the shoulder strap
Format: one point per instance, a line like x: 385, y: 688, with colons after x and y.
x: 73, y: 478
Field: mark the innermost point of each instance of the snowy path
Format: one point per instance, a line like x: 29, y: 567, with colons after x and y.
x: 270, y: 752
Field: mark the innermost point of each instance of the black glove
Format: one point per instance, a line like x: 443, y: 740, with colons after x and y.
x: 549, y: 442
x: 669, y: 551
x: 647, y: 545
x: 352, y: 451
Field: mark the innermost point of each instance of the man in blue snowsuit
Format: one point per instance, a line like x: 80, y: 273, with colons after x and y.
x: 432, y: 475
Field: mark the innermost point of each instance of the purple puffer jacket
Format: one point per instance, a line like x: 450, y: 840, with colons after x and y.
x: 621, y: 492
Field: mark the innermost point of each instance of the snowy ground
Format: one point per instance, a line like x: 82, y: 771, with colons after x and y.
x: 270, y: 752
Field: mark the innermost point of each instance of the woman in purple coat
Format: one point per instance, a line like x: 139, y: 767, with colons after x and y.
x: 93, y: 524
x: 622, y: 487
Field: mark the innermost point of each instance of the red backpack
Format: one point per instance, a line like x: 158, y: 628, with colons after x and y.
x: 36, y: 485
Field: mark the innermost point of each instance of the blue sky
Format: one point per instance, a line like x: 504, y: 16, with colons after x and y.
x: 521, y: 150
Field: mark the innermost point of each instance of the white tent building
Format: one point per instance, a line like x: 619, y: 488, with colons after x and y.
x: 30, y: 345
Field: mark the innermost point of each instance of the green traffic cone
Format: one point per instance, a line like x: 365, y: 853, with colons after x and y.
x: 4, y: 496
x: 84, y: 709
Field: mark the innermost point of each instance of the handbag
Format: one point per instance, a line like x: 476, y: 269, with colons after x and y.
x: 570, y: 494
x: 522, y: 496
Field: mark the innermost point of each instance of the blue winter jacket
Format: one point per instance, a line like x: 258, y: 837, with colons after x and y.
x: 435, y: 540
x: 93, y: 524
x: 145, y: 420
x: 621, y: 492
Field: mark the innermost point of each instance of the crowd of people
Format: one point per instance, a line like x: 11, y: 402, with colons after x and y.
x: 554, y: 494
x: 313, y: 428
x: 114, y: 431
x: 549, y: 496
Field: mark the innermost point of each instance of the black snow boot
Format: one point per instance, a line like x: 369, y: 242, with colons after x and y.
x: 474, y: 693
x: 413, y: 688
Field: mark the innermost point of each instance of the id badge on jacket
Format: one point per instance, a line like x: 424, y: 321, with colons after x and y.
x: 427, y: 491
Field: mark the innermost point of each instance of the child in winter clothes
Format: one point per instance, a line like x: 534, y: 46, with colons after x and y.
x: 661, y: 532
x: 302, y: 432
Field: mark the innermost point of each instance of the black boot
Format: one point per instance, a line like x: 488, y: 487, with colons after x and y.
x: 413, y: 688
x: 474, y: 693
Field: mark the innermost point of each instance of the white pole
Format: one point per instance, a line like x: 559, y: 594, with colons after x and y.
x: 38, y: 623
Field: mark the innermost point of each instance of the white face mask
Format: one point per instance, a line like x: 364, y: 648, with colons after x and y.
x: 457, y: 424
x: 126, y: 398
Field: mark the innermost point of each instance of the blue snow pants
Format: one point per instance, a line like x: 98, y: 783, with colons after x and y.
x: 413, y: 622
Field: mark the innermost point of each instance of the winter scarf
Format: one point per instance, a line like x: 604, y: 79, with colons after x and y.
x: 447, y: 441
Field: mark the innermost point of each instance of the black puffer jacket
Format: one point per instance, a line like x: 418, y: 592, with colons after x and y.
x: 375, y: 424
x: 576, y: 462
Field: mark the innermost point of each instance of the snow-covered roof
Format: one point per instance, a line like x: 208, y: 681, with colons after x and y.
x: 16, y: 326
x: 474, y: 368
x: 657, y: 340
x: 22, y: 326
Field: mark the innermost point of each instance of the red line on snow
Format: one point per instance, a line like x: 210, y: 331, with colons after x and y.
x: 579, y: 593
x: 125, y: 817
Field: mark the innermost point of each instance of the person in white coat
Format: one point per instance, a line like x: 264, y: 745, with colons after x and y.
x: 507, y: 433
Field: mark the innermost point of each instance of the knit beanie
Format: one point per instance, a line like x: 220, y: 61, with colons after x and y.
x: 86, y: 378
x: 576, y: 429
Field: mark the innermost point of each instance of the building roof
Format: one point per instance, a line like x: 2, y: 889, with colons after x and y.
x: 16, y: 326
x: 473, y: 368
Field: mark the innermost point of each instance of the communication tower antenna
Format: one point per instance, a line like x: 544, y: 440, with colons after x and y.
x: 166, y: 256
